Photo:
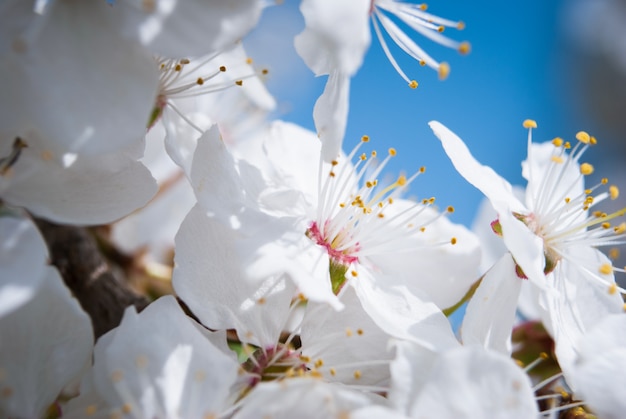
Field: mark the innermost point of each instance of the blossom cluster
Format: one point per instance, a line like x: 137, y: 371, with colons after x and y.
x: 286, y: 276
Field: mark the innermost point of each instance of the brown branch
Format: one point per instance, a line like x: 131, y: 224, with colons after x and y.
x: 99, y: 286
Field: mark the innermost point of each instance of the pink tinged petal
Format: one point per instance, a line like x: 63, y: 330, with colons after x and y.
x: 44, y: 81
x: 158, y: 364
x: 301, y: 397
x: 580, y: 303
x: 46, y: 344
x: 490, y: 313
x: 402, y: 314
x: 331, y: 114
x: 599, y: 373
x: 335, y: 37
x: 23, y: 260
x: 209, y: 275
x: 188, y: 28
x: 81, y: 189
x: 352, y: 348
x: 469, y: 382
x: 482, y: 177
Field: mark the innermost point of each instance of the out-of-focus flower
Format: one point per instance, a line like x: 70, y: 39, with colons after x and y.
x: 46, y: 344
x: 552, y: 240
x: 462, y: 382
x: 334, y: 42
x: 157, y: 364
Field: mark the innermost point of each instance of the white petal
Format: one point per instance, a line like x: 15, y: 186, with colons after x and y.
x: 209, y: 276
x: 45, y: 80
x: 188, y: 28
x: 347, y: 341
x: 469, y: 382
x: 159, y: 365
x: 599, y: 373
x: 482, y: 177
x: 23, y: 260
x: 336, y: 35
x: 300, y: 397
x: 90, y: 190
x: 331, y: 114
x: 403, y: 314
x: 45, y: 345
x: 490, y: 314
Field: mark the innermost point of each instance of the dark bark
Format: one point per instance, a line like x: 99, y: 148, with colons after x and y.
x: 99, y: 286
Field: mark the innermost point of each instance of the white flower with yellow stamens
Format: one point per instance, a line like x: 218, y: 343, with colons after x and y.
x: 552, y: 238
x: 334, y: 42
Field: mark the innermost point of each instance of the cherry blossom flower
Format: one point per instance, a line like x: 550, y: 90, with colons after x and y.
x: 334, y: 42
x: 552, y: 240
x: 157, y: 364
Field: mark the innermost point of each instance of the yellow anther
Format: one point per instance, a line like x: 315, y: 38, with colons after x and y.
x: 178, y: 67
x: 334, y: 162
x: 593, y: 140
x: 319, y: 363
x: 200, y: 81
x: 305, y: 359
x: 249, y: 60
x: 422, y: 169
x: 413, y: 84
x: 450, y: 209
x: 422, y: 229
x: 222, y: 68
x: 441, y: 28
x: 567, y: 145
x: 453, y: 240
x: 184, y: 61
x: 374, y: 153
x: 465, y: 48
x: 588, y: 191
x: 392, y: 151
x: 557, y: 159
x: 431, y: 200
x: 363, y: 157
x: 620, y: 229
x: 604, y: 181
x: 301, y: 297
x: 612, y: 288
x: 529, y: 123
x: 239, y: 82
x: 606, y: 225
x: 425, y: 201
x: 91, y: 410
x: 422, y: 63
x: 586, y: 169
x: 342, y: 205
x: 369, y: 184
x: 543, y: 355
x: 357, y: 374
x: 444, y: 71
x: 380, y: 204
x: 261, y: 301
x: 354, y: 273
x: 331, y: 174
x: 597, y: 214
x: 127, y: 408
x: 348, y: 332
x: 460, y: 25
x: 265, y: 71
x: 315, y: 374
x: 365, y: 138
x: 359, y: 332
x: 614, y: 252
x: 381, y: 215
x: 423, y: 6
x: 606, y: 269
x: 519, y: 363
x: 390, y: 200
x: 332, y: 371
x: 558, y: 142
x: 583, y: 137
x: 401, y: 180
x: 567, y: 200
x: 614, y: 191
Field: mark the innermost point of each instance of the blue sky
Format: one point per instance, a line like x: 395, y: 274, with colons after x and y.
x: 515, y: 71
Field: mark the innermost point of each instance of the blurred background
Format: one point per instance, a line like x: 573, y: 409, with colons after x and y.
x: 562, y: 63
